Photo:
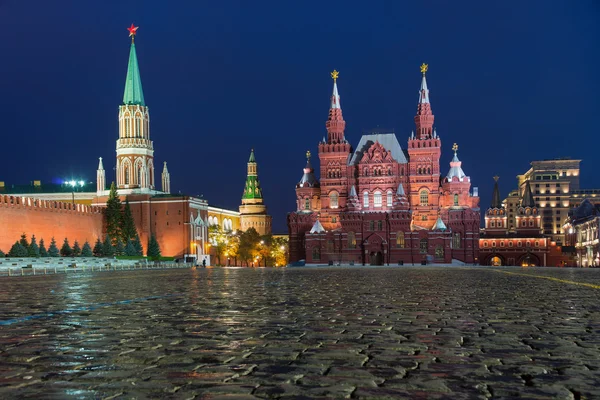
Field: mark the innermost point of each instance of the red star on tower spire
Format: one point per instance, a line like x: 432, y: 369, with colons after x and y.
x: 132, y: 31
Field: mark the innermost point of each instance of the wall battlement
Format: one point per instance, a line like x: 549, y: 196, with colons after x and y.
x: 47, y: 205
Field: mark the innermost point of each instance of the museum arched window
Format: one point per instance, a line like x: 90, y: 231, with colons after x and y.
x: 380, y: 225
x: 456, y: 240
x: 351, y: 240
x: 333, y: 200
x: 390, y: 198
x: 371, y: 225
x: 316, y: 253
x: 307, y: 204
x: 400, y: 240
x: 423, y: 245
x: 439, y: 251
x: 366, y: 199
x: 377, y: 199
x: 424, y: 197
x: 455, y: 199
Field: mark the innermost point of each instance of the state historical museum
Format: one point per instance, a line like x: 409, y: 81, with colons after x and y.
x: 381, y: 204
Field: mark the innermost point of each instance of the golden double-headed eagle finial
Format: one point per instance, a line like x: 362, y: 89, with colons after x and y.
x: 424, y: 68
x: 335, y: 75
x: 308, y: 155
x: 455, y: 147
x: 496, y: 178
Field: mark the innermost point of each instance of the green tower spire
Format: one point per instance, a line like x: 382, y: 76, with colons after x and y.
x: 133, y: 84
x: 252, y: 189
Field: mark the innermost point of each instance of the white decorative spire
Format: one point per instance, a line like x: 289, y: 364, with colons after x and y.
x: 400, y: 191
x: 412, y: 135
x: 166, y: 179
x: 335, y: 97
x: 317, y: 228
x: 434, y: 133
x: 423, y: 92
x: 455, y: 167
x: 100, y: 178
x: 353, y: 191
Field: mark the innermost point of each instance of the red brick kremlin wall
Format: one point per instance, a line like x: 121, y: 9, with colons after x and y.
x: 46, y: 219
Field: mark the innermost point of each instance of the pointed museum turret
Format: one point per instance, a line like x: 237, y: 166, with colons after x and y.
x: 135, y: 150
x: 253, y: 211
x: 495, y: 217
x: 335, y: 123
x: 424, y: 118
x: 528, y: 220
x: 308, y: 190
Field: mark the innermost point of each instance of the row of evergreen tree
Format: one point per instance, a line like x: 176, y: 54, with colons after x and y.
x: 24, y: 248
x: 121, y: 238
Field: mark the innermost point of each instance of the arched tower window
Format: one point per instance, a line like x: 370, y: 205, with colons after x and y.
x: 377, y: 199
x: 333, y: 200
x: 400, y: 240
x: 126, y: 173
x: 455, y: 199
x: 366, y: 199
x: 423, y: 246
x: 424, y: 197
x: 351, y: 240
x: 307, y: 204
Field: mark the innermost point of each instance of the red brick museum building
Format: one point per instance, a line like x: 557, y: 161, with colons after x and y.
x: 381, y: 204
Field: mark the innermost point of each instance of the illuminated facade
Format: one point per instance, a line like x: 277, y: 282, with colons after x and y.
x: 582, y: 232
x: 381, y: 204
x: 521, y: 243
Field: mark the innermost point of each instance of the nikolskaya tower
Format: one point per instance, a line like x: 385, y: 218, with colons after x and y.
x: 135, y: 150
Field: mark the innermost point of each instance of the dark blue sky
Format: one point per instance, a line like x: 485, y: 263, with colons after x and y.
x: 510, y: 82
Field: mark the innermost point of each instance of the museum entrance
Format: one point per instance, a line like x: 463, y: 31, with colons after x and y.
x: 376, y: 258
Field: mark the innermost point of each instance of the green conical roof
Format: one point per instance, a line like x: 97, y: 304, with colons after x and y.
x: 133, y: 84
x: 252, y: 189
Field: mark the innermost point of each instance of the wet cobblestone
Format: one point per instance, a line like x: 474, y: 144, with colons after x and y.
x: 380, y: 333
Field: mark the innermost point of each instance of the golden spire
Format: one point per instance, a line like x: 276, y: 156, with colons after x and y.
x: 455, y: 148
x: 424, y: 68
x: 308, y: 155
x: 335, y: 75
x: 496, y: 178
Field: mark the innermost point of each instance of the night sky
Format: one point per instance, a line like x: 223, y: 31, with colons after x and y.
x: 509, y: 81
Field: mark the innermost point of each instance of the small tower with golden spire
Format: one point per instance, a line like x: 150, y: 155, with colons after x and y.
x: 308, y: 189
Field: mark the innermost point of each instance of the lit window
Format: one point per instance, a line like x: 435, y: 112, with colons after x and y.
x: 351, y: 240
x: 390, y: 200
x: 307, y: 204
x: 366, y: 200
x: 485, y: 244
x: 316, y: 253
x: 423, y: 246
x: 399, y: 240
x: 456, y: 199
x: 424, y: 197
x: 377, y: 199
x: 333, y: 200
x: 456, y: 240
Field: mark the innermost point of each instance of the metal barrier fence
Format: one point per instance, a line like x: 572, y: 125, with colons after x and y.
x: 73, y: 268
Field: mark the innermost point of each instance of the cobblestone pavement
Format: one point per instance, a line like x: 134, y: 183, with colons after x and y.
x: 370, y: 333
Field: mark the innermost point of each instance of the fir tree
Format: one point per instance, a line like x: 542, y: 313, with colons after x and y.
x: 76, y: 249
x: 137, y: 244
x: 127, y: 224
x: 66, y: 250
x: 17, y: 250
x: 43, y: 251
x: 53, y: 250
x: 24, y: 241
x: 2, y: 254
x: 98, y: 248
x: 86, y: 250
x: 153, y: 248
x: 108, y: 249
x: 113, y: 214
x: 33, y: 250
x: 119, y: 248
x: 130, y: 249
